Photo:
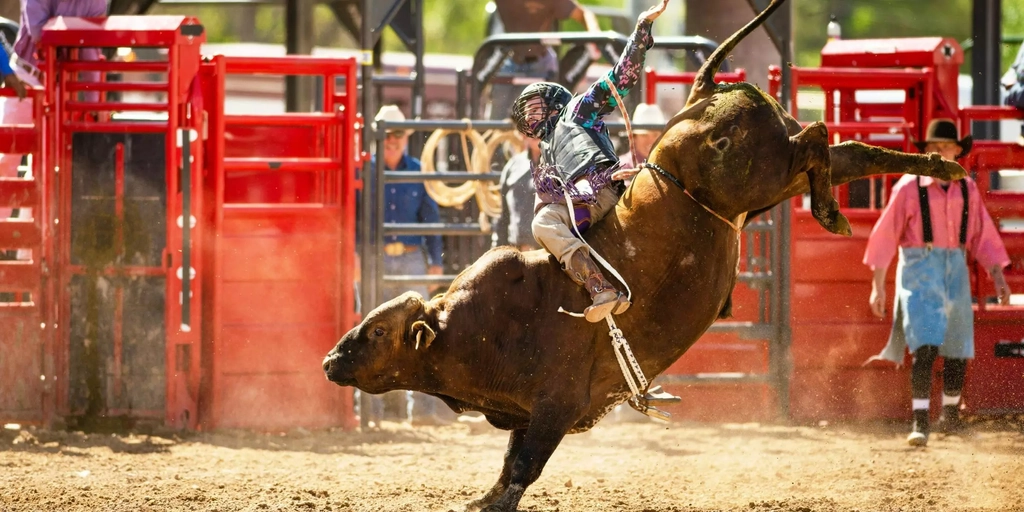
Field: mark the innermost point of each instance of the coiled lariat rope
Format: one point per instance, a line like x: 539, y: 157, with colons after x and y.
x: 478, y: 161
x: 444, y: 194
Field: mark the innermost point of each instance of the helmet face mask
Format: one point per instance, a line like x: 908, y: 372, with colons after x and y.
x: 536, y: 105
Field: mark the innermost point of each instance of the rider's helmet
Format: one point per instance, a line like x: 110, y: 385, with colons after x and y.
x: 534, y: 122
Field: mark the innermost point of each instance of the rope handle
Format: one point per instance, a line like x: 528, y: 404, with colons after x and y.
x: 625, y: 119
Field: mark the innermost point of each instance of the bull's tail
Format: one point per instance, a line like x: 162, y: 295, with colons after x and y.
x: 704, y: 84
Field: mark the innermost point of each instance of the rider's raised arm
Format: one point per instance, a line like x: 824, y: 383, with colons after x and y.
x: 599, y: 101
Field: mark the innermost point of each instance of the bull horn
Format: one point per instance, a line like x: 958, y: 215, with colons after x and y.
x: 420, y: 327
x: 704, y: 84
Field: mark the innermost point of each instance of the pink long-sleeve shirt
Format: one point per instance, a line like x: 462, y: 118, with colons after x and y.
x: 900, y: 224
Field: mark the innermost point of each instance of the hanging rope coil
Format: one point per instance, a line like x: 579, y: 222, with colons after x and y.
x: 488, y: 195
x: 444, y: 194
x: 478, y: 161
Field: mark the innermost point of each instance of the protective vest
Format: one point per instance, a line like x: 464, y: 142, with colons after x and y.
x: 575, y: 150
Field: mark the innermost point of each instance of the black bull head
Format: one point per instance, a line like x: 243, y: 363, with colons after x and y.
x: 495, y: 341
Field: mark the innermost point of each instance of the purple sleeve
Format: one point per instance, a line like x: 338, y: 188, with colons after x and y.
x: 598, y: 100
x: 35, y: 14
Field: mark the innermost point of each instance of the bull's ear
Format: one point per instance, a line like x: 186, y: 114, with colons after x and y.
x: 423, y: 333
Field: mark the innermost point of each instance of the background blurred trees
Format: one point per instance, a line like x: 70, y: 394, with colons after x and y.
x: 458, y: 26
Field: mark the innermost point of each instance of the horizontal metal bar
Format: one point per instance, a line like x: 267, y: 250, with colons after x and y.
x: 19, y: 138
x: 281, y: 164
x: 755, y: 277
x: 399, y: 229
x: 447, y: 177
x: 117, y: 86
x: 553, y: 38
x: 20, y: 276
x: 714, y: 378
x: 407, y: 80
x: 18, y: 192
x: 451, y: 124
x: 760, y: 226
x: 119, y: 127
x: 108, y: 65
x: 19, y: 234
x: 293, y: 119
x: 115, y: 106
x: 290, y: 65
x: 414, y: 280
x: 112, y: 270
x: 9, y: 309
x: 745, y: 330
x: 280, y: 209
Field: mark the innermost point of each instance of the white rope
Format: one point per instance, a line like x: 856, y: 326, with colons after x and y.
x: 623, y: 353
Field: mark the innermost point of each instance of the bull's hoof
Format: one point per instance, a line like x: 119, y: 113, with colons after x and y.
x: 508, y: 502
x: 836, y: 222
x: 950, y: 171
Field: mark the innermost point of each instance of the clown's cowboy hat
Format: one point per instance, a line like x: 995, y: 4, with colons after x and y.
x: 944, y: 130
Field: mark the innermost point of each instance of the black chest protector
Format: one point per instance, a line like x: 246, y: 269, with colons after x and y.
x: 575, y: 150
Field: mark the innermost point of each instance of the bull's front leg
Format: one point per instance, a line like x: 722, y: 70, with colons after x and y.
x: 515, y: 443
x: 550, y: 420
x: 810, y: 155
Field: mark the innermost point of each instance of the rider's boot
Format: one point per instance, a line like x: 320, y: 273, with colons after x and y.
x: 607, y: 299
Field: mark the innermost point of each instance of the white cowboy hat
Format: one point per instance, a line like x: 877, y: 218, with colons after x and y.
x: 646, y: 113
x: 390, y: 114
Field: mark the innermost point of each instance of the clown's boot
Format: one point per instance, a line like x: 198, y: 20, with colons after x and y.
x: 919, y: 434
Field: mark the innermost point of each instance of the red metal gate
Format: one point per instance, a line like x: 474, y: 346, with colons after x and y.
x: 25, y: 309
x: 282, y: 247
x: 180, y: 264
x: 834, y: 332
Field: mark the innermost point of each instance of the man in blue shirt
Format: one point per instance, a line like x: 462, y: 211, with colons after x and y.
x: 7, y: 74
x: 406, y: 203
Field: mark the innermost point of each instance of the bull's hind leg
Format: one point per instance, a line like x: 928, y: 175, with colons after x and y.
x: 811, y: 155
x: 515, y: 443
x: 854, y: 160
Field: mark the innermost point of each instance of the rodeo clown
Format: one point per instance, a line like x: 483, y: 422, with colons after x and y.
x: 578, y: 159
x: 933, y: 223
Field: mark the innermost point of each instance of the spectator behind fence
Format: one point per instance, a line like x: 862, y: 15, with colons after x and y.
x: 933, y: 224
x: 517, y: 200
x: 8, y: 75
x: 536, y: 61
x: 645, y: 113
x: 407, y: 203
x: 1013, y: 81
x: 34, y: 15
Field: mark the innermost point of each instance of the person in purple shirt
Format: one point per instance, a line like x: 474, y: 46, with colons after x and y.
x: 35, y: 14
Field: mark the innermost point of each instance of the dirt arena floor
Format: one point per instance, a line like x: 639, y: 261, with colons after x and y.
x: 643, y: 467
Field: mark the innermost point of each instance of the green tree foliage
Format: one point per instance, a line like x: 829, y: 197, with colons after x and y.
x: 458, y: 26
x: 864, y: 19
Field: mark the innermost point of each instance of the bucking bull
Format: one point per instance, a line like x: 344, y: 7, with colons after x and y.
x: 496, y: 343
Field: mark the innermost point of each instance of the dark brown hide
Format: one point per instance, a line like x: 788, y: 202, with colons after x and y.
x: 502, y: 347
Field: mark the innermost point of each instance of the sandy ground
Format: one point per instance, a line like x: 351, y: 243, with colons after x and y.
x: 646, y: 467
